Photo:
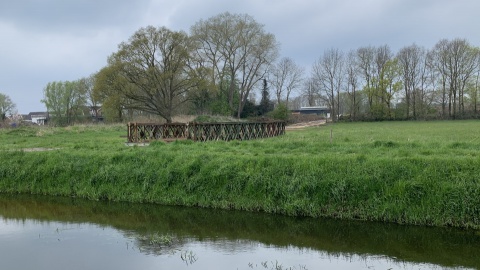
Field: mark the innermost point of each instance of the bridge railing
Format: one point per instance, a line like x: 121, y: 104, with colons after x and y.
x: 143, y: 132
x: 235, y: 131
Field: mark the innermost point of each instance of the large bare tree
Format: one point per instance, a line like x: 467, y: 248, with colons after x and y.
x: 155, y: 61
x: 286, y: 77
x: 238, y: 51
x: 327, y: 75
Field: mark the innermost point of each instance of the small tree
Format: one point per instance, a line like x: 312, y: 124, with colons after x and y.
x: 6, y: 106
x: 327, y: 75
x: 286, y: 78
x: 108, y: 90
x: 281, y: 112
x: 64, y: 100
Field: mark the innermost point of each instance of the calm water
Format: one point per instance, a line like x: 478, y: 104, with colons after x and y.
x: 52, y: 233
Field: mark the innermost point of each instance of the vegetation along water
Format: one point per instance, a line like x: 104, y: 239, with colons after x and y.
x: 425, y: 173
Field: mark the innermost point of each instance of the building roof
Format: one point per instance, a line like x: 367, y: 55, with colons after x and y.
x: 316, y: 108
x: 45, y: 114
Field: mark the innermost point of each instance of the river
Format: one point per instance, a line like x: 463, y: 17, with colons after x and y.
x: 65, y: 233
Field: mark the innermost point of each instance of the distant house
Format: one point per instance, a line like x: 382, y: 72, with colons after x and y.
x: 318, y: 110
x: 39, y: 118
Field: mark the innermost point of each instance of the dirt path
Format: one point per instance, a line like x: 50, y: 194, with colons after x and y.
x: 304, y: 125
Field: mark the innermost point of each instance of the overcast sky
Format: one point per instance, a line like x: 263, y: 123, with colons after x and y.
x: 58, y: 40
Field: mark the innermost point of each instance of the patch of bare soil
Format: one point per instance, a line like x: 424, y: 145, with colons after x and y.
x: 305, y: 124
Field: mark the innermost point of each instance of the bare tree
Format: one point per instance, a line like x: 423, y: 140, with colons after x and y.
x: 384, y: 74
x: 88, y: 83
x: 352, y: 83
x: 327, y: 74
x: 310, y: 93
x: 411, y: 60
x: 456, y: 61
x: 156, y: 62
x: 468, y: 65
x: 366, y: 67
x: 286, y: 76
x: 427, y: 86
x: 476, y: 86
x: 238, y: 50
x: 439, y: 57
x: 382, y: 56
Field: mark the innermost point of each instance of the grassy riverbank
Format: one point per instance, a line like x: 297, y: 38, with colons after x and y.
x: 424, y: 173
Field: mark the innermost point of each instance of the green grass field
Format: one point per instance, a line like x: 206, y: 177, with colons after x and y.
x: 425, y: 173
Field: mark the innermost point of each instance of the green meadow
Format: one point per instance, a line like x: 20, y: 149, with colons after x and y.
x: 423, y: 173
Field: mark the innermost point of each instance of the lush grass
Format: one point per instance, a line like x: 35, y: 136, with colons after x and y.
x: 424, y: 173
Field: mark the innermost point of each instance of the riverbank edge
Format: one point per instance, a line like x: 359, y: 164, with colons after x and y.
x: 411, y: 190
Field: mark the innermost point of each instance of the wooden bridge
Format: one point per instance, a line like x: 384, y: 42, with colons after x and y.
x: 146, y: 132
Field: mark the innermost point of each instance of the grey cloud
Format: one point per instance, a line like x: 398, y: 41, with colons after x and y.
x: 68, y: 16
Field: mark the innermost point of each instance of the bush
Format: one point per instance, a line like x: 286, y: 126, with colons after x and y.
x: 214, y: 119
x: 281, y: 112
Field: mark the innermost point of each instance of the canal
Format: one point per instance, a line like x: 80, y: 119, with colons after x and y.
x: 65, y: 233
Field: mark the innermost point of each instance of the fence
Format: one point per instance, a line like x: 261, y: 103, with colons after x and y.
x: 145, y: 132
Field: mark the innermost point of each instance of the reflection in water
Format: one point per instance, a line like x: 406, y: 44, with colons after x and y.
x: 125, y: 236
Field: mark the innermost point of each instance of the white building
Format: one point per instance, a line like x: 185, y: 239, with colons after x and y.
x: 39, y: 118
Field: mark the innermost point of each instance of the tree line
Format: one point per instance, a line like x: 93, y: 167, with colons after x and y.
x: 374, y: 83
x: 224, y: 60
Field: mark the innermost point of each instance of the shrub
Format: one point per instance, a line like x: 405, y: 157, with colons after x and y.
x: 281, y: 112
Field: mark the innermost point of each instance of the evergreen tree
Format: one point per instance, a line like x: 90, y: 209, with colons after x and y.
x: 265, y: 104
